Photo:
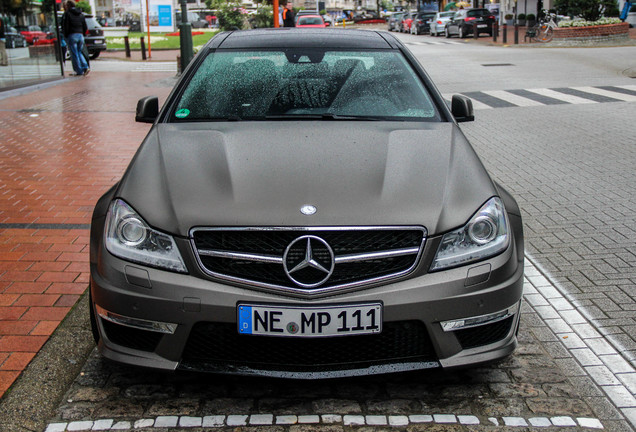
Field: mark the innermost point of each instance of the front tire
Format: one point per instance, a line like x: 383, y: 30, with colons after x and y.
x: 446, y: 33
x: 94, y: 55
x: 461, y: 33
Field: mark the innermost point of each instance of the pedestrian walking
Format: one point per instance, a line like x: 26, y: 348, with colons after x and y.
x: 289, y: 17
x: 4, y: 57
x: 74, y: 27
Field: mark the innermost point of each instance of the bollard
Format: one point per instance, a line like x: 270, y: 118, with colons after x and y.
x: 495, y: 31
x: 127, y: 46
x: 475, y: 31
x: 505, y: 33
x: 516, y: 34
x: 143, y: 49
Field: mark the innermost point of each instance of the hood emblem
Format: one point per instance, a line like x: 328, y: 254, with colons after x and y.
x: 309, y: 261
x: 308, y: 209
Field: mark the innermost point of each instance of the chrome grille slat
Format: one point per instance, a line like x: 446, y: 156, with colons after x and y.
x: 376, y: 255
x: 254, y: 256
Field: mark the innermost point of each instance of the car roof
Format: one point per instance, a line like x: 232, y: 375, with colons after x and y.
x: 289, y: 37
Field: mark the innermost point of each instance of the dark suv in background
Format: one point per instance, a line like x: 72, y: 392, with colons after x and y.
x: 464, y: 20
x: 94, y: 37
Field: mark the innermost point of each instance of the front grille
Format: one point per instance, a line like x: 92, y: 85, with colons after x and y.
x: 129, y: 337
x: 484, y: 335
x: 220, y: 344
x: 258, y: 256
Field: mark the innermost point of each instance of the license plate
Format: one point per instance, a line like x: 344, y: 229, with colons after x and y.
x: 99, y: 41
x: 481, y: 25
x: 303, y: 321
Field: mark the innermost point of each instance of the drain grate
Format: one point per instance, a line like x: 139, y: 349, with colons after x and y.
x: 497, y: 64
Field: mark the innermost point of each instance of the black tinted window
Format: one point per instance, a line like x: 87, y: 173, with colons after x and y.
x: 478, y: 12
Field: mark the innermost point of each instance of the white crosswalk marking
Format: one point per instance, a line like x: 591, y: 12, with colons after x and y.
x: 628, y: 87
x: 476, y: 104
x: 608, y: 93
x: 562, y: 96
x: 434, y: 42
x: 512, y: 98
x: 157, y: 67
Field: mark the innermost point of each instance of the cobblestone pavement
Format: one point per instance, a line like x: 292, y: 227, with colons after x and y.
x: 573, y: 177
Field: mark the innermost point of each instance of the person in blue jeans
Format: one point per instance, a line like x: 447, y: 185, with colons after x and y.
x: 74, y: 27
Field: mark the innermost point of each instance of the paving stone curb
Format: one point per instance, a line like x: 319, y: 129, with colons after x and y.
x: 34, y: 397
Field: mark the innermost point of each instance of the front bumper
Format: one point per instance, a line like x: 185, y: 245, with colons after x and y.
x: 198, y: 305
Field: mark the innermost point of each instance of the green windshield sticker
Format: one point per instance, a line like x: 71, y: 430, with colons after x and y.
x: 182, y: 113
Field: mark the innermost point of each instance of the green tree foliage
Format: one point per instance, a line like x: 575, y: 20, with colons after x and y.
x: 84, y: 6
x: 228, y: 13
x: 263, y: 18
x: 590, y: 10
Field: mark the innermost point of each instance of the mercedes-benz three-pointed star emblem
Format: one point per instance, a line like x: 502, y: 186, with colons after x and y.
x: 308, y: 261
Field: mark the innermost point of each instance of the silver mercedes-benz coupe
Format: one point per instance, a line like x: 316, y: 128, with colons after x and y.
x: 305, y: 205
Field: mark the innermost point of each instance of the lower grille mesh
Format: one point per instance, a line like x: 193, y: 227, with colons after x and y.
x: 219, y: 343
x: 129, y: 337
x: 484, y: 335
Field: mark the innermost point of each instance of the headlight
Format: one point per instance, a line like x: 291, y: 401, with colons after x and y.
x: 129, y: 237
x: 485, y: 235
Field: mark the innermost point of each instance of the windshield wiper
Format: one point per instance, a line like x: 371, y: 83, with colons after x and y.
x: 323, y: 116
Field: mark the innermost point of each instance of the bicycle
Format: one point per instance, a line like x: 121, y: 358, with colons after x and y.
x: 543, y: 30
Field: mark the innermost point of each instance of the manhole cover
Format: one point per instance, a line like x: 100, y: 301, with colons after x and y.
x: 630, y: 73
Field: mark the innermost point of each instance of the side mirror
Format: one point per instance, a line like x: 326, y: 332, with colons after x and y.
x: 462, y: 109
x: 147, y: 109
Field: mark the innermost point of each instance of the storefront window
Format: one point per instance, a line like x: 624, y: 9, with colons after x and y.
x: 30, y: 52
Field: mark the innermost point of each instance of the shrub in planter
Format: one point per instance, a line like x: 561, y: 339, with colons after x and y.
x: 589, y: 10
x: 530, y: 20
x: 521, y: 19
x: 508, y: 18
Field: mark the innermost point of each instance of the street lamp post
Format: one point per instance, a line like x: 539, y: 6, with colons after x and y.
x: 185, y: 37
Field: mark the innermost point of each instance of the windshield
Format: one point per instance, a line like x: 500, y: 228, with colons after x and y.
x: 310, y: 84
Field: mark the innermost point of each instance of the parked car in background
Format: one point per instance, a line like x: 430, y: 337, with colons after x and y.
x: 94, y: 38
x: 33, y: 32
x: 462, y: 23
x: 407, y: 19
x: 195, y: 20
x: 14, y: 38
x: 50, y: 39
x: 422, y: 23
x: 395, y: 20
x: 250, y: 235
x: 310, y: 21
x: 439, y: 22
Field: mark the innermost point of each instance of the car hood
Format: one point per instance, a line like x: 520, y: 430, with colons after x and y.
x: 261, y: 173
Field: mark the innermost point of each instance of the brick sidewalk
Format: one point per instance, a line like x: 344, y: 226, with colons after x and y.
x: 61, y: 148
